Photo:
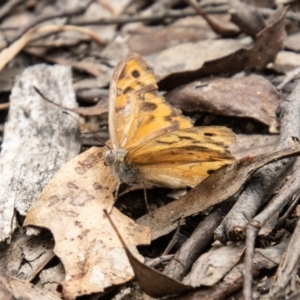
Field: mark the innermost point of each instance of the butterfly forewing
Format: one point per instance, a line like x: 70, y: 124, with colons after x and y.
x: 138, y: 113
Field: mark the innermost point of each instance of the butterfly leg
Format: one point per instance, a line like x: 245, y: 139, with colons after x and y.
x: 145, y: 198
x: 174, y: 239
x: 116, y: 196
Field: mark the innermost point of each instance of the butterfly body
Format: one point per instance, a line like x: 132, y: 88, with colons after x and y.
x: 151, y: 141
x: 125, y: 172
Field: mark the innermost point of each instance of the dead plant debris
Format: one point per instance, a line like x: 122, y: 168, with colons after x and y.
x: 220, y: 63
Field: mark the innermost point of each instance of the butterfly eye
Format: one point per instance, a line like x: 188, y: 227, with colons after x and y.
x: 109, y: 158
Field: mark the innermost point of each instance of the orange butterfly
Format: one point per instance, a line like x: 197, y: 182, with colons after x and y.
x: 151, y: 141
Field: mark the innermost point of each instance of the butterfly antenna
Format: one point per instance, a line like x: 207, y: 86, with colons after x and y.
x: 67, y: 113
x: 94, y: 135
x: 47, y: 99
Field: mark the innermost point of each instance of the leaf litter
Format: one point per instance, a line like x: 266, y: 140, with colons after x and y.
x: 71, y: 205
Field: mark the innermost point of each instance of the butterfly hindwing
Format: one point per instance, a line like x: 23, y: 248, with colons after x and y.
x: 183, y: 158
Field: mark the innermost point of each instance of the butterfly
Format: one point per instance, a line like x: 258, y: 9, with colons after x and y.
x: 152, y: 142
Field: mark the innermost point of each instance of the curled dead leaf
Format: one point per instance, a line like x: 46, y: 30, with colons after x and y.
x: 268, y: 43
x: 71, y: 207
x: 254, y: 97
x: 151, y: 281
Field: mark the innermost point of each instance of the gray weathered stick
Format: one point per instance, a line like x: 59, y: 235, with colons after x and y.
x: 38, y: 140
x: 290, y: 111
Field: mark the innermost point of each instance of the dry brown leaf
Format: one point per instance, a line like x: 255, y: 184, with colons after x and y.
x: 213, y: 265
x: 184, y: 59
x: 216, y: 188
x: 151, y: 281
x: 217, y: 24
x: 254, y: 144
x: 254, y: 97
x: 268, y: 43
x: 71, y: 207
x: 150, y: 39
x: 247, y: 17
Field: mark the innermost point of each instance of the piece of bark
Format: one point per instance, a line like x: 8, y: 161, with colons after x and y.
x: 264, y: 181
x: 38, y: 139
x: 213, y: 265
x: 290, y: 189
x: 290, y: 131
x: 287, y: 270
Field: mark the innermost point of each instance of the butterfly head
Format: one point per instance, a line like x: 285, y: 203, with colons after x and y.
x: 109, y: 158
x: 112, y: 157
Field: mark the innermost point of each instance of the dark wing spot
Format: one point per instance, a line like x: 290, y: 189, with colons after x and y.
x: 127, y: 89
x: 150, y: 119
x: 196, y: 148
x: 135, y: 74
x: 209, y: 172
x: 209, y: 134
x: 195, y: 142
x: 168, y: 118
x: 165, y: 143
x: 148, y: 106
x: 119, y: 109
x: 183, y: 137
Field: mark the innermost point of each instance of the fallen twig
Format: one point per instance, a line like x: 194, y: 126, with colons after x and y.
x: 9, y: 53
x: 22, y: 31
x: 288, y: 267
x: 264, y: 181
x: 196, y: 243
x: 290, y: 130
